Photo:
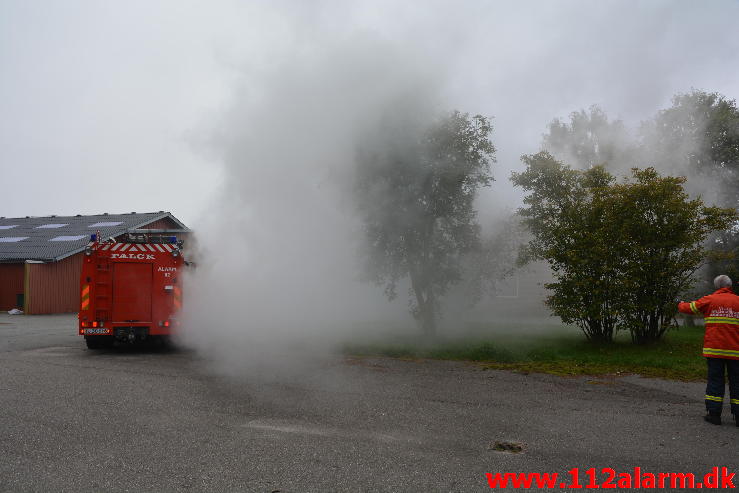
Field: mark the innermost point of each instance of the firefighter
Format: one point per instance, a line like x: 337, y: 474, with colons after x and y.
x: 720, y: 345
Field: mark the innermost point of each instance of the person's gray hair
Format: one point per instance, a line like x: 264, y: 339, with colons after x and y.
x: 722, y: 281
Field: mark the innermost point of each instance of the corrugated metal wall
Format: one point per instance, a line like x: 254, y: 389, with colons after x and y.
x: 11, y: 285
x: 54, y: 287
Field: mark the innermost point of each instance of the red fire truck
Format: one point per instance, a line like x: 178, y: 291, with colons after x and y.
x: 130, y: 290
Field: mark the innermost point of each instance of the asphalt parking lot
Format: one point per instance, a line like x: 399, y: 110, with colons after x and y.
x: 138, y: 420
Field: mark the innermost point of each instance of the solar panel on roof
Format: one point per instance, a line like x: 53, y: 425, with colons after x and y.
x: 9, y: 226
x: 68, y: 238
x: 12, y: 239
x: 105, y: 224
x: 49, y: 226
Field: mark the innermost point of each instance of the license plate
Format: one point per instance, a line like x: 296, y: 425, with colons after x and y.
x: 96, y: 331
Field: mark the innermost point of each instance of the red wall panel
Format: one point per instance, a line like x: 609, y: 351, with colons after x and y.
x: 54, y: 287
x: 11, y: 285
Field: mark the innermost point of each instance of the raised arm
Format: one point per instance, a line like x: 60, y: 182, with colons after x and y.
x: 697, y: 307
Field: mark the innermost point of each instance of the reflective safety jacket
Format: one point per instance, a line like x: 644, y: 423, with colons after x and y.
x: 721, y: 310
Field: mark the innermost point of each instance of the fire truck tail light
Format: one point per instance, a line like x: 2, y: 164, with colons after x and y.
x: 84, y: 324
x: 166, y: 323
x: 94, y: 324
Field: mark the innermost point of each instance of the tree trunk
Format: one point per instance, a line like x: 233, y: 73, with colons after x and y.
x: 428, y: 317
x: 426, y: 311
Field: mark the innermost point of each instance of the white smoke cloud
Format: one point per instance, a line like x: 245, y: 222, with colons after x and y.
x: 279, y: 261
x: 280, y: 238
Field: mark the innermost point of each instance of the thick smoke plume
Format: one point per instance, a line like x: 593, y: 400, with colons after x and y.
x: 278, y: 249
x: 278, y: 268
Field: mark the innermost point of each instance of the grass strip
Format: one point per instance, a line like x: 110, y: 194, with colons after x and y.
x: 677, y: 356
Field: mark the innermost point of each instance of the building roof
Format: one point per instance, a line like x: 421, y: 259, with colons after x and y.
x: 53, y: 238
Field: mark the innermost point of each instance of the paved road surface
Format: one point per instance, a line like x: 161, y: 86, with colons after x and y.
x: 77, y: 420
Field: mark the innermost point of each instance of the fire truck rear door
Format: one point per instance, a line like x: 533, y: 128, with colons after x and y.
x: 132, y: 292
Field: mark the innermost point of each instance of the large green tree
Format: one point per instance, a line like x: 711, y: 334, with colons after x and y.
x: 699, y: 136
x: 589, y: 139
x: 567, y: 231
x: 701, y: 132
x: 620, y: 252
x: 415, y: 191
x: 660, y: 236
x: 696, y: 137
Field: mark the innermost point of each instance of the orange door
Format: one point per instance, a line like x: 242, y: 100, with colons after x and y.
x: 132, y: 292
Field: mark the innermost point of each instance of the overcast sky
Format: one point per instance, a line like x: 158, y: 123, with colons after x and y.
x: 112, y: 106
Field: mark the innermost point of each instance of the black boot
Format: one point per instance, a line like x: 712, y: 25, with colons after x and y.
x: 713, y: 418
x: 736, y: 419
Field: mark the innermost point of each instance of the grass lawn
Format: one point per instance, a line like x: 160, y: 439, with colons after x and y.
x: 677, y: 356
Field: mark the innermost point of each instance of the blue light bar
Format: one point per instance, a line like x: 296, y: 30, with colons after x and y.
x: 93, y: 237
x: 173, y: 239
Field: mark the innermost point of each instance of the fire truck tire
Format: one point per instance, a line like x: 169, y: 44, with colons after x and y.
x: 99, y: 342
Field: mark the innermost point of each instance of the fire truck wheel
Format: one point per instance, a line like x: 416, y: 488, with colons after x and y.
x: 99, y: 342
